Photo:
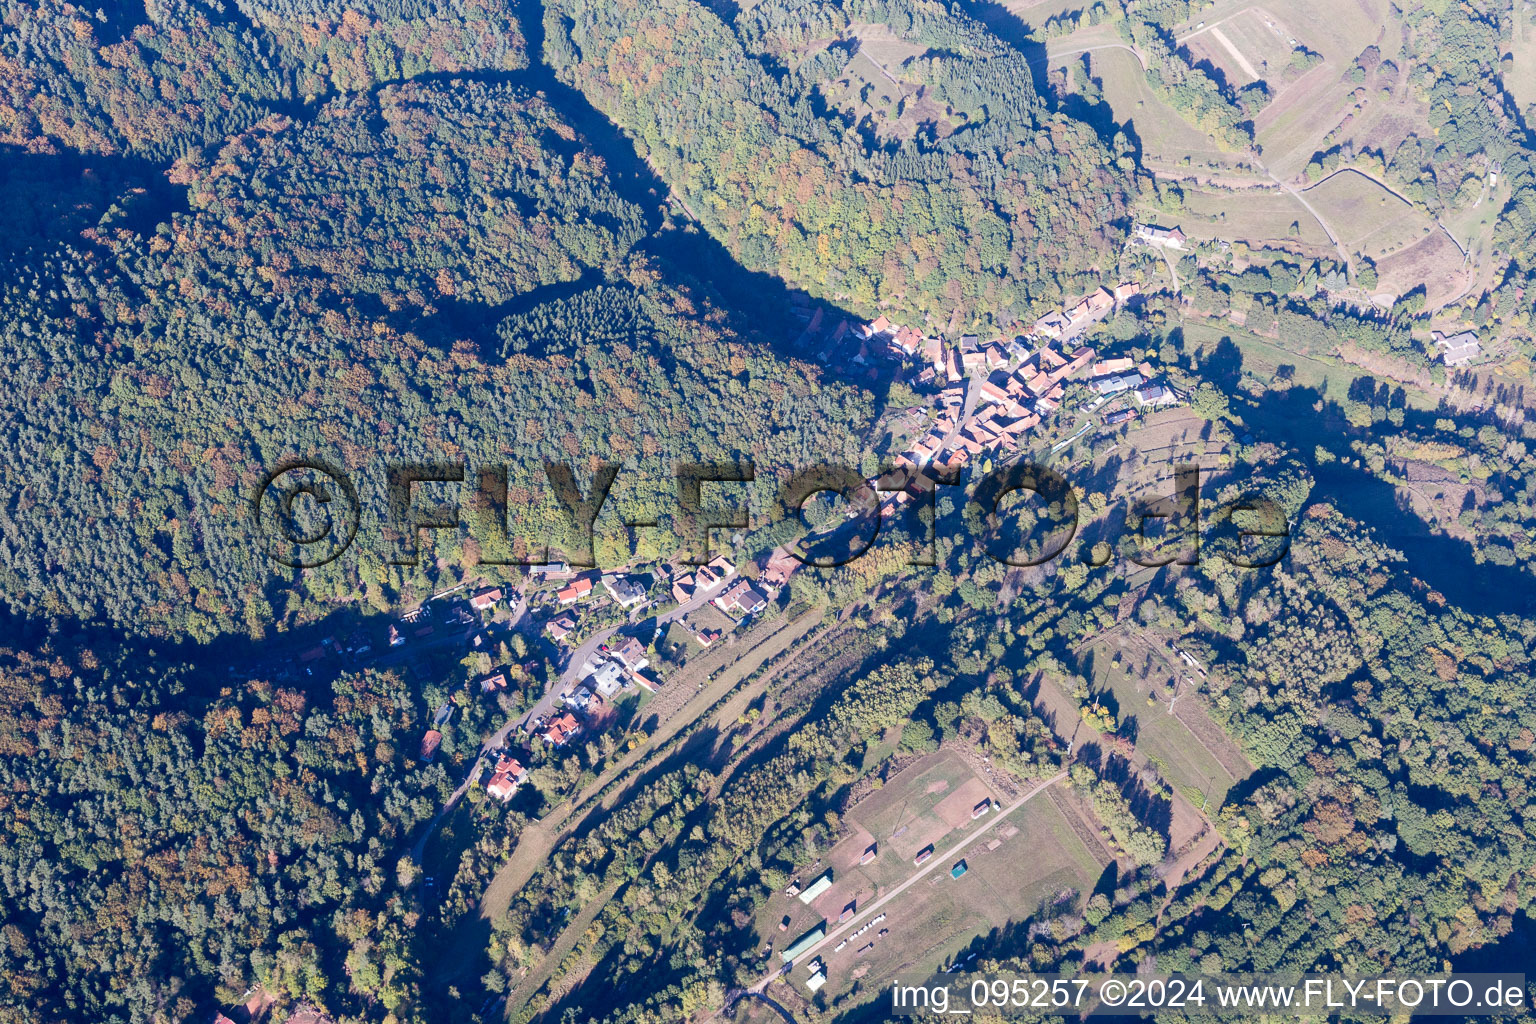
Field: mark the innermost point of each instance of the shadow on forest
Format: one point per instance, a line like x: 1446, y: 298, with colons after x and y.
x: 48, y: 197
x: 1014, y: 31
x: 757, y: 303
x: 1307, y: 418
x: 1445, y: 563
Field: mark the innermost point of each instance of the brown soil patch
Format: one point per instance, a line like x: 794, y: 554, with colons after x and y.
x: 956, y: 808
x: 1079, y: 818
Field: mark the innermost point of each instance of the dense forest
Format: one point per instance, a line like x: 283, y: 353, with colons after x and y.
x: 171, y: 840
x: 326, y: 311
x: 1016, y: 207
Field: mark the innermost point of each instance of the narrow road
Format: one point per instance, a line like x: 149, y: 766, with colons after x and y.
x: 1051, y: 57
x: 945, y: 860
x: 1466, y: 254
x: 735, y: 994
x: 966, y: 409
x: 1343, y: 253
x: 546, y: 704
x: 473, y: 771
x: 1187, y: 36
x: 1366, y: 174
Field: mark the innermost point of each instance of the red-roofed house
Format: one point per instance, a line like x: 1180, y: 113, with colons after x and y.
x: 1104, y: 367
x: 933, y: 353
x: 575, y: 592
x: 485, y: 599
x: 505, y: 779
x: 741, y: 597
x: 954, y: 367
x: 429, y: 744
x: 561, y: 729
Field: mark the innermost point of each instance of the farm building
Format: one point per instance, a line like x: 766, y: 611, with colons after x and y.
x: 1166, y: 238
x: 805, y: 942
x: 958, y: 870
x: 817, y: 887
x: 1457, y: 349
x: 485, y: 599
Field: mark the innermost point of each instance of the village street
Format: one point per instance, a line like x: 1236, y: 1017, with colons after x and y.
x: 545, y: 705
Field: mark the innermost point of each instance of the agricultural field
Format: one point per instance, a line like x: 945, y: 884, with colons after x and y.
x: 1253, y: 215
x: 1435, y: 262
x: 1287, y: 362
x: 1249, y: 46
x: 1367, y: 218
x: 1312, y: 108
x: 1035, y: 857
x: 1168, y: 141
x: 920, y: 807
x: 1200, y: 763
x: 1034, y: 13
x: 1158, y: 442
x: 863, y: 90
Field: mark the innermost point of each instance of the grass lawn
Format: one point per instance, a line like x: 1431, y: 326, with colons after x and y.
x: 1263, y: 358
x: 1031, y: 859
x: 1368, y: 218
x: 1161, y: 737
x: 1168, y: 140
x: 1520, y: 73
x: 1253, y: 215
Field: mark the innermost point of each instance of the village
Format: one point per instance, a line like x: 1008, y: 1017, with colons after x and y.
x: 588, y: 641
x: 561, y: 658
x: 990, y: 396
x: 536, y: 680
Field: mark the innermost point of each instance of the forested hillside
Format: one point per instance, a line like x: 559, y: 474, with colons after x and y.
x: 1015, y: 208
x: 350, y: 45
x: 134, y: 343
x: 652, y: 232
x: 169, y: 842
x: 415, y: 194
